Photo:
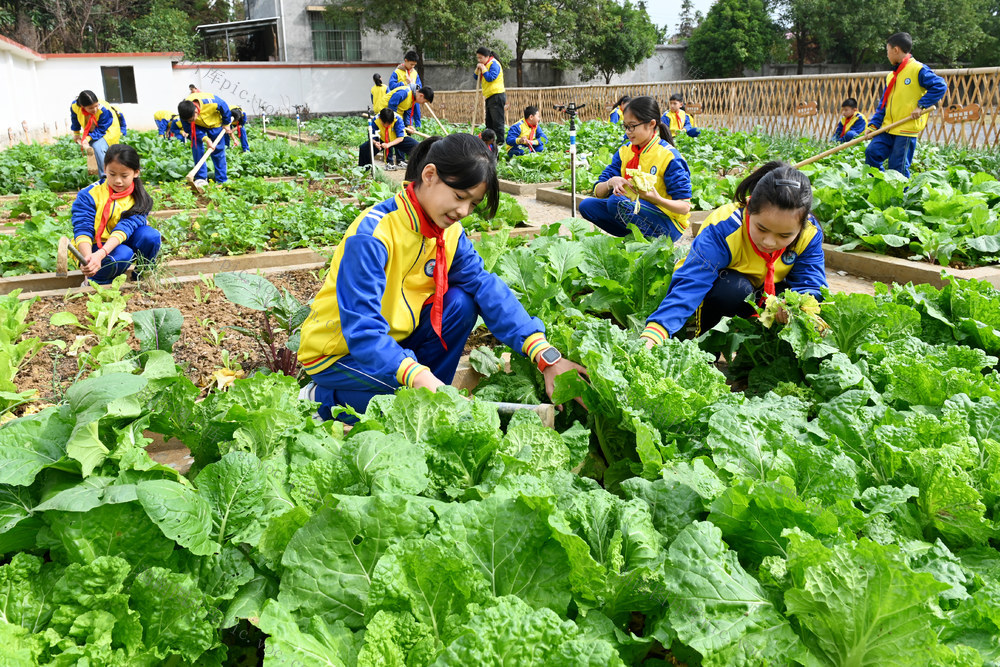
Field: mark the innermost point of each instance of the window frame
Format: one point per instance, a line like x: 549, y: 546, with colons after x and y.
x: 329, y: 35
x: 122, y: 84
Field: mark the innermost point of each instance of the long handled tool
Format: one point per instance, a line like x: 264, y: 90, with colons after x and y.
x: 856, y: 141
x: 429, y: 108
x: 204, y: 158
x: 413, y: 130
x: 66, y: 246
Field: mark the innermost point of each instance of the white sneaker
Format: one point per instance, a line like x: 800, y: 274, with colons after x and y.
x: 401, y: 164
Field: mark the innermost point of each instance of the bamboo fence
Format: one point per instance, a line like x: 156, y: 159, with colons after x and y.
x: 765, y: 104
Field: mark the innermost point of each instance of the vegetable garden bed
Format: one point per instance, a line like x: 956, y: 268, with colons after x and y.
x: 852, y: 480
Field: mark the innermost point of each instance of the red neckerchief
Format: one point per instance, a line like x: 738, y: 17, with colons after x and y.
x: 91, y: 121
x: 197, y: 112
x: 633, y: 162
x: 106, y: 213
x: 432, y: 231
x: 531, y: 136
x: 769, y: 259
x: 845, y: 122
x: 892, y: 81
x: 677, y: 115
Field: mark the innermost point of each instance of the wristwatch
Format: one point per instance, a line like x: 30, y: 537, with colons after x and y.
x: 548, y: 357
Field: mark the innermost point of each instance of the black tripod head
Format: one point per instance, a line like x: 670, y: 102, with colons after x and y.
x: 569, y: 109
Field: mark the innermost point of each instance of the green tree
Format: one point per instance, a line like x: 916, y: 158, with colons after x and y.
x: 803, y: 20
x: 612, y: 38
x: 855, y: 33
x: 946, y: 31
x: 163, y: 28
x: 450, y: 29
x: 735, y: 35
x: 988, y: 53
x: 537, y: 24
x: 689, y: 20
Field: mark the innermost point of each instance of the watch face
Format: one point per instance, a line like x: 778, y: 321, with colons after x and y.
x: 551, y: 355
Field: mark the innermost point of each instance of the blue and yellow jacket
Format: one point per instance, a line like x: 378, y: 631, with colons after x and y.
x: 916, y: 85
x: 401, y: 101
x: 380, y: 278
x: 659, y: 159
x: 162, y: 120
x: 856, y: 125
x: 723, y: 242
x: 239, y: 117
x: 400, y: 77
x: 121, y: 120
x: 616, y: 114
x: 387, y: 132
x: 522, y: 129
x: 175, y: 126
x: 492, y: 79
x: 87, y: 209
x: 107, y: 127
x: 212, y: 112
x: 380, y: 97
x: 678, y: 121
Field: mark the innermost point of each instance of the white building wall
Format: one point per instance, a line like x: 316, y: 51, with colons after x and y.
x: 64, y: 77
x: 275, y: 88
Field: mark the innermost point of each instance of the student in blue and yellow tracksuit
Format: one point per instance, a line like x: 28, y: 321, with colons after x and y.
x: 765, y: 242
x: 176, y: 128
x: 852, y: 123
x: 94, y: 123
x: 109, y: 220
x: 405, y: 75
x: 616, y: 113
x: 664, y: 210
x: 489, y: 138
x: 121, y: 120
x: 407, y: 103
x: 526, y: 136
x: 239, y: 128
x: 379, y: 93
x: 909, y: 89
x: 678, y: 119
x: 490, y: 76
x: 406, y: 287
x: 388, y: 135
x: 162, y: 120
x: 206, y: 116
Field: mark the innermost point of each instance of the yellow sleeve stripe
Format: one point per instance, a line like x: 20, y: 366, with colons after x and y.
x: 82, y: 239
x: 120, y: 235
x: 655, y: 333
x: 408, y: 370
x: 534, y: 345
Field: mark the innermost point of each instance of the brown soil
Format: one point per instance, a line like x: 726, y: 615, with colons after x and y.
x: 51, y: 372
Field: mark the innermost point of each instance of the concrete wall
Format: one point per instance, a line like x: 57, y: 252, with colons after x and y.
x: 275, y: 88
x: 47, y: 85
x: 377, y: 45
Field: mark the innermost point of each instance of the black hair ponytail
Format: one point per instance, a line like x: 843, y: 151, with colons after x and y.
x: 462, y: 162
x: 645, y: 109
x: 777, y: 184
x: 487, y: 52
x: 86, y: 98
x: 377, y: 78
x: 127, y: 156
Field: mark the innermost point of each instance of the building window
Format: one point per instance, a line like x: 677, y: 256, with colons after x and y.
x: 119, y: 85
x: 335, y: 36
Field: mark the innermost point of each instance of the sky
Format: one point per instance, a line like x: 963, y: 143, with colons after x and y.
x: 666, y: 11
